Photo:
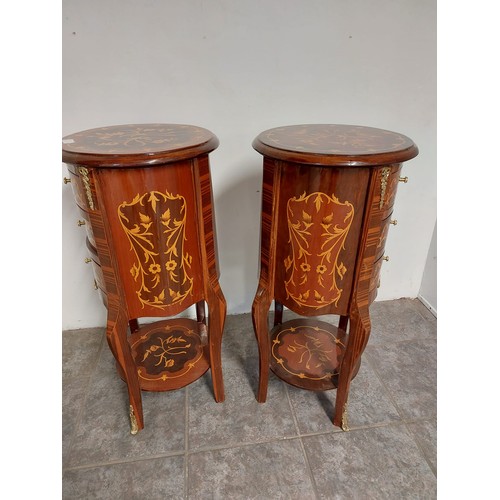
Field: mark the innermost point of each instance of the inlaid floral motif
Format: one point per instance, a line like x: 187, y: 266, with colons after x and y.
x: 307, y: 352
x: 318, y: 226
x: 155, y: 226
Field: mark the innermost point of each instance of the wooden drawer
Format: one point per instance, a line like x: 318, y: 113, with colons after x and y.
x: 375, y: 279
x: 78, y: 190
x: 384, y: 231
x: 387, y: 198
x: 384, y: 195
x: 96, y: 265
x: 81, y: 183
x: 84, y: 217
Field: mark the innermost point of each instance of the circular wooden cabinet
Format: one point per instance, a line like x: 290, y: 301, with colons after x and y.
x: 145, y: 198
x: 327, y: 198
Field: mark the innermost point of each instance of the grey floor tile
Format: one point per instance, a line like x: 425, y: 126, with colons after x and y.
x: 399, y: 320
x: 72, y: 401
x: 240, y: 419
x: 274, y: 470
x: 378, y: 463
x: 368, y: 404
x: 80, y: 349
x: 408, y: 370
x: 380, y: 458
x: 425, y: 433
x: 159, y: 478
x: 104, y: 431
x: 239, y: 341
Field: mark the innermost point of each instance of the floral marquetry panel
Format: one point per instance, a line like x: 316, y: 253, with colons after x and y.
x: 307, y: 353
x: 169, y: 354
x: 160, y: 257
x: 318, y: 239
x: 155, y: 224
x: 138, y: 144
x: 339, y: 145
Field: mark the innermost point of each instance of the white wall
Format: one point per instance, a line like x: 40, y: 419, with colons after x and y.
x: 239, y: 67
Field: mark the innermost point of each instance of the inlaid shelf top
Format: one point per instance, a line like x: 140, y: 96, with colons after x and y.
x: 335, y: 145
x: 137, y: 144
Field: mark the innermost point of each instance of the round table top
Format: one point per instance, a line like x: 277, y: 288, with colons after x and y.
x: 137, y: 144
x: 335, y: 145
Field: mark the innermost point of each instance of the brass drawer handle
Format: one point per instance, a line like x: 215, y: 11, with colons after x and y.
x: 403, y: 179
x: 87, y: 260
x: 394, y: 222
x: 66, y: 180
x: 81, y: 223
x: 386, y: 258
x: 95, y: 285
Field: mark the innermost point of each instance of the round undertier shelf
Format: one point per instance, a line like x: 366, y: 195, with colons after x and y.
x: 169, y: 354
x: 307, y: 353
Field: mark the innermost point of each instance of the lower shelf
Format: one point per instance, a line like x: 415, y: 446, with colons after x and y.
x: 307, y: 353
x: 168, y: 354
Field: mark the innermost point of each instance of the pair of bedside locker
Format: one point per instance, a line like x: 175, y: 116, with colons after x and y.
x: 145, y: 197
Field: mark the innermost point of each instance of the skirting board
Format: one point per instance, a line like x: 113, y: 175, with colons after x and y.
x: 432, y: 309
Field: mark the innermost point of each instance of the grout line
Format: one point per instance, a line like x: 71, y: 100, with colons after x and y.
x: 405, y: 421
x: 124, y: 461
x: 302, y: 447
x: 420, y: 448
x: 384, y: 386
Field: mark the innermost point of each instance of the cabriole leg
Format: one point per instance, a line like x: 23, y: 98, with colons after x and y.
x: 358, y: 337
x: 116, y: 335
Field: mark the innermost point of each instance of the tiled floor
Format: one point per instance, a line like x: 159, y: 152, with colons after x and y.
x: 194, y: 448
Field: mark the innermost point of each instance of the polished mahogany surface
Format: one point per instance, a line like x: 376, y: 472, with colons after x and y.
x: 307, y: 353
x: 341, y: 145
x: 137, y: 144
x: 328, y: 194
x: 145, y: 199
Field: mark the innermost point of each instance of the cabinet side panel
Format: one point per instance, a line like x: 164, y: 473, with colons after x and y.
x: 151, y: 217
x: 321, y: 212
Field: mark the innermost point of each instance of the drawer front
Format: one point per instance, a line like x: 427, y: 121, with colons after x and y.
x: 77, y: 187
x: 98, y: 276
x: 82, y: 184
x: 384, y: 231
x: 375, y: 280
x: 88, y: 226
x: 388, y: 188
x: 96, y: 265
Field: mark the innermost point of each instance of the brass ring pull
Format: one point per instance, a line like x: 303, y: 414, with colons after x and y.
x: 87, y: 260
x: 394, y: 222
x: 66, y: 180
x: 81, y: 223
x: 403, y: 179
x: 386, y: 258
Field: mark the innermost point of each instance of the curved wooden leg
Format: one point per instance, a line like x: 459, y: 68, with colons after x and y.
x: 344, y: 320
x: 201, y: 319
x: 134, y: 325
x: 216, y: 319
x: 200, y: 312
x: 116, y: 335
x: 358, y: 337
x: 260, y: 309
x: 278, y: 313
